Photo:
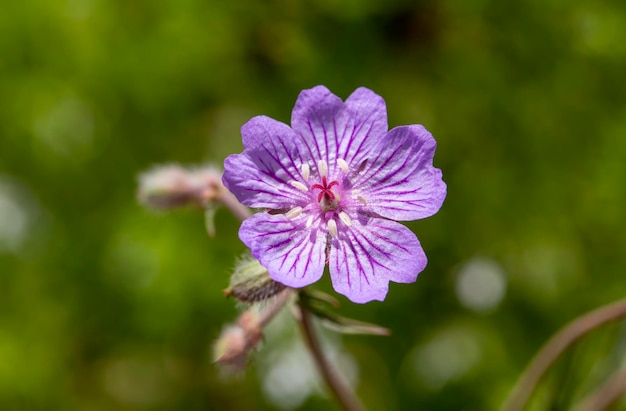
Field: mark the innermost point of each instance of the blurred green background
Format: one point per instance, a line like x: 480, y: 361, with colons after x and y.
x: 107, y: 306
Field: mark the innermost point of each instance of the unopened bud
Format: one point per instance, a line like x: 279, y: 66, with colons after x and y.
x: 242, y: 337
x: 251, y: 283
x: 231, y: 347
x: 171, y: 186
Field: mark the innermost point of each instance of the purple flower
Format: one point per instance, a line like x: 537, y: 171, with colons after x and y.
x: 332, y: 184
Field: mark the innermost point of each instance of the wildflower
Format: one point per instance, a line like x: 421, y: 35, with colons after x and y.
x: 332, y: 184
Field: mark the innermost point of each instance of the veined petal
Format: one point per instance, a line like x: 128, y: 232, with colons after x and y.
x: 369, y: 114
x: 400, y: 181
x: 292, y: 254
x: 332, y: 130
x: 261, y: 176
x: 369, y: 254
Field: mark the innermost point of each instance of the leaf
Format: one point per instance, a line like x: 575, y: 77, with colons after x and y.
x: 317, y: 303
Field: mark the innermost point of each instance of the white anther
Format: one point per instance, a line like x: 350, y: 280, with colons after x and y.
x: 332, y: 228
x: 345, y: 218
x: 322, y: 167
x: 309, y: 221
x: 305, y: 171
x: 293, y: 213
x: 357, y: 194
x: 299, y: 186
x: 343, y: 165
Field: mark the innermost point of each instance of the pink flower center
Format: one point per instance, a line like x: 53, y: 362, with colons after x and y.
x: 325, y: 190
x: 330, y: 192
x: 328, y: 200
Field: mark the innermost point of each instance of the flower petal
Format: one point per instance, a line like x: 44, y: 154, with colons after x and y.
x: 369, y: 114
x: 400, y: 182
x: 260, y: 177
x: 333, y: 130
x: 292, y: 254
x: 369, y: 254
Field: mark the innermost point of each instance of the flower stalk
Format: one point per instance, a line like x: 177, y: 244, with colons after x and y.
x: 549, y: 353
x: 230, y: 201
x: 605, y: 396
x: 340, y: 389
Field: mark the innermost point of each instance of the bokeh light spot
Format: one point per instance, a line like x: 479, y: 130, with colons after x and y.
x: 481, y: 284
x: 16, y: 214
x: 448, y: 356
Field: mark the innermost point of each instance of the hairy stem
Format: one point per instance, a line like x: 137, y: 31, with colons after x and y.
x: 344, y: 395
x: 554, y: 348
x: 276, y: 304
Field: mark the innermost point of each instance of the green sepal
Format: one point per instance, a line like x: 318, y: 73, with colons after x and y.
x: 317, y: 303
x: 250, y: 282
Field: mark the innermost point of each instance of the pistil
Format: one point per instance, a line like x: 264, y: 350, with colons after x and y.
x: 326, y: 188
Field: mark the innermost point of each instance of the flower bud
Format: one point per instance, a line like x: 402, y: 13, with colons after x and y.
x: 250, y: 282
x: 171, y: 186
x: 231, y: 347
x: 237, y: 340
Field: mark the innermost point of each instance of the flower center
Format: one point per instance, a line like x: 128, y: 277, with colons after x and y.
x: 325, y: 188
x: 328, y: 197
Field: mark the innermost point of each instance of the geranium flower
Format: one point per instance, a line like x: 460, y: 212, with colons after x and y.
x: 332, y: 184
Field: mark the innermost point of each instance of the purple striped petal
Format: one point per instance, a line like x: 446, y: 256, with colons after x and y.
x: 369, y: 254
x: 292, y: 254
x: 260, y: 176
x: 400, y: 181
x: 368, y: 113
x: 331, y: 129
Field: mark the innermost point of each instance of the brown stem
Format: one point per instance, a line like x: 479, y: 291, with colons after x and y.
x: 229, y: 200
x: 275, y: 304
x: 606, y: 395
x: 344, y: 395
x: 554, y: 348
